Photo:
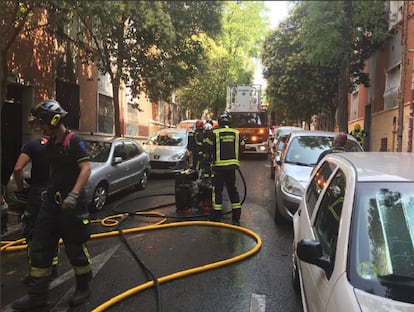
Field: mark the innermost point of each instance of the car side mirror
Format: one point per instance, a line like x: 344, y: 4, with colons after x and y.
x: 310, y: 251
x: 117, y: 160
x: 278, y: 160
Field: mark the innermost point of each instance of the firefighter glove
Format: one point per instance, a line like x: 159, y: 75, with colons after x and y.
x: 70, y: 201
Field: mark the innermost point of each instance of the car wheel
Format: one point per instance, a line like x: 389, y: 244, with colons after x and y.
x: 99, y: 197
x: 295, y: 272
x: 143, y: 182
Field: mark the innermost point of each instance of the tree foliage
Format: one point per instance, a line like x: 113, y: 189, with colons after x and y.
x: 322, y: 46
x: 15, y: 18
x: 230, y: 55
x: 148, y: 45
x: 296, y: 89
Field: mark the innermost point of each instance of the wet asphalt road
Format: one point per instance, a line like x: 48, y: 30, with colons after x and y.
x: 259, y: 283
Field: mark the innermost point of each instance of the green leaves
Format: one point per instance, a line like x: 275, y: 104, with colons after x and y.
x: 228, y: 58
x: 302, y: 57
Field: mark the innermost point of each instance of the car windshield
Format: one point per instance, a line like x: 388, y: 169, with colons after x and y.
x: 98, y: 151
x: 306, y: 149
x: 168, y: 138
x: 381, y: 257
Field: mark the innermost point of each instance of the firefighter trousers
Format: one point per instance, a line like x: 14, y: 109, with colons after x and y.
x: 51, y: 225
x: 225, y: 177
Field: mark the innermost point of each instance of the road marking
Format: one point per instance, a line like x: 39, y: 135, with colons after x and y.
x: 258, y: 303
x: 97, y: 262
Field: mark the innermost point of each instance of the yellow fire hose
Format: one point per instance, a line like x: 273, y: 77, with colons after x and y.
x: 111, y: 221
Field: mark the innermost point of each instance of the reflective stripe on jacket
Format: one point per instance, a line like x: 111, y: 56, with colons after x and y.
x: 226, y: 146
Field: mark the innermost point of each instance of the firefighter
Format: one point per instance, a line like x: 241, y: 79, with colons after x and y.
x: 338, y: 145
x: 224, y: 146
x: 35, y: 152
x: 65, y: 214
x: 196, y: 146
x: 359, y: 134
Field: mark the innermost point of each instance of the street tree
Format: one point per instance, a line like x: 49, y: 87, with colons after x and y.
x: 230, y: 59
x: 296, y: 89
x: 16, y: 18
x: 147, y: 45
x: 345, y: 33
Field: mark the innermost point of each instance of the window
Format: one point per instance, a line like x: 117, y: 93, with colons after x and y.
x: 317, y: 184
x: 120, y: 151
x: 131, y: 123
x: 381, y: 254
x: 354, y: 105
x: 105, y: 114
x: 131, y: 149
x: 98, y: 151
x: 328, y: 217
x: 392, y: 84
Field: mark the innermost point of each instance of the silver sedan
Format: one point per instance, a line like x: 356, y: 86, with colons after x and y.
x: 116, y: 164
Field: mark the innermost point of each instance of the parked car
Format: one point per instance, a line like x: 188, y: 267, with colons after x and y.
x: 353, y: 246
x: 284, y: 130
x: 281, y: 131
x: 116, y: 164
x: 297, y: 159
x: 189, y: 124
x: 168, y: 150
x: 275, y: 153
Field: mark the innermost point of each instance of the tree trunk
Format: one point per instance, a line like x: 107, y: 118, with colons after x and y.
x: 344, y: 76
x: 117, y: 115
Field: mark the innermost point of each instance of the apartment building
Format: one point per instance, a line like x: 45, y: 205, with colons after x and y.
x: 41, y: 66
x: 385, y: 109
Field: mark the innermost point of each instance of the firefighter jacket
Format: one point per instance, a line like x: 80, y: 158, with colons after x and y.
x: 359, y: 135
x: 223, y: 145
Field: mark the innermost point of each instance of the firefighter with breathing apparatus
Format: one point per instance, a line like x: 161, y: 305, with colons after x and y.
x: 223, y: 145
x: 65, y: 213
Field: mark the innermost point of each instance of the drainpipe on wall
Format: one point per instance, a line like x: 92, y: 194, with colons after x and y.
x: 411, y: 111
x: 403, y: 78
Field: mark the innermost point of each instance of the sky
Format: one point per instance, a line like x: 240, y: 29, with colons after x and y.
x: 278, y: 12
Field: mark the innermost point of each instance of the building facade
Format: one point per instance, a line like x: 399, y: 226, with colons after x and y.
x: 385, y: 109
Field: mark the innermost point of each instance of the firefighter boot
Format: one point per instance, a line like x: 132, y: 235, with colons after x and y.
x: 36, y: 297
x: 235, y: 219
x: 215, y: 216
x: 28, y: 278
x: 83, y: 291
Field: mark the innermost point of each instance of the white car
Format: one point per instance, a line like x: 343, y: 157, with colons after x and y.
x: 168, y: 150
x: 353, y: 247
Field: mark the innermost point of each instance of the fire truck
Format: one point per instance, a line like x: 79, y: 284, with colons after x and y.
x: 249, y: 116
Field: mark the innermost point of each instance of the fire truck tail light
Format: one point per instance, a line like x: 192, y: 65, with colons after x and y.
x: 261, y: 131
x: 254, y: 138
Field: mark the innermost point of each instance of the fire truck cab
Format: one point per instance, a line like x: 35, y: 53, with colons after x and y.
x: 249, y: 116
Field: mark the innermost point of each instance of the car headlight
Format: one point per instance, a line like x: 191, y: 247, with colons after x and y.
x: 290, y: 185
x: 178, y: 156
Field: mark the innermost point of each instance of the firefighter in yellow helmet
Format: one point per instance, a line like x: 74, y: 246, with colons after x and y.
x: 359, y: 134
x: 224, y: 144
